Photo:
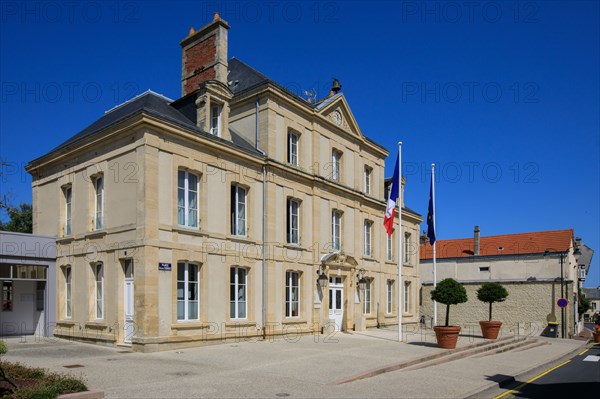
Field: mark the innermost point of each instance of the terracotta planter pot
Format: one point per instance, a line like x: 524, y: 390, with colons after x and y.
x: 490, y: 329
x: 597, y: 338
x: 446, y: 336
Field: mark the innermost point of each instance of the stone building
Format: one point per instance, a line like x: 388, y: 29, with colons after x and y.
x: 529, y: 265
x: 238, y: 210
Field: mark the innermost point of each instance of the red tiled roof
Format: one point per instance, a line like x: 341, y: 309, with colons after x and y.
x: 511, y: 244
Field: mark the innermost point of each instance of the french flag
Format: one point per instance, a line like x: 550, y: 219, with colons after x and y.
x: 388, y: 220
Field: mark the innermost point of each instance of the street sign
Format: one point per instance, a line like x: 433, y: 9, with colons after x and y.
x: 562, y: 302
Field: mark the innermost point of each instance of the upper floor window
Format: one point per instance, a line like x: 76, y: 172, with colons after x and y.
x: 187, y: 199
x: 292, y: 294
x: 293, y: 221
x: 368, y: 231
x: 367, y: 299
x: 293, y: 140
x: 237, y: 293
x: 99, y: 285
x: 389, y: 250
x: 407, y: 248
x: 187, y: 291
x: 67, y: 191
x: 336, y: 157
x: 99, y: 202
x: 238, y: 210
x: 368, y: 173
x: 215, y: 119
x: 336, y: 230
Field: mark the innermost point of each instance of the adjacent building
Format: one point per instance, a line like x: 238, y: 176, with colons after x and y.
x: 536, y: 268
x: 239, y: 210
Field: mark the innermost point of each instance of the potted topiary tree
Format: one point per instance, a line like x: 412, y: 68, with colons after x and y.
x: 490, y: 293
x: 449, y: 292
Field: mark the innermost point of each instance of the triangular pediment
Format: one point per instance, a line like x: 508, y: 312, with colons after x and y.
x: 336, y: 111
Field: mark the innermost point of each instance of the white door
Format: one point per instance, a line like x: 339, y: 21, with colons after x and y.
x: 336, y: 300
x: 129, y: 326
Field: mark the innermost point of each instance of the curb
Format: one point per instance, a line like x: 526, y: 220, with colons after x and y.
x: 90, y: 394
x: 510, y: 381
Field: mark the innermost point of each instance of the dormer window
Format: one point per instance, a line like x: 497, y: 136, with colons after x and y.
x: 215, y: 120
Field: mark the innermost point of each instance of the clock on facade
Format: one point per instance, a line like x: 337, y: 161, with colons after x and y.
x: 336, y: 117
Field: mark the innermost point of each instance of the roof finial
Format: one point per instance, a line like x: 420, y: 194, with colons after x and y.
x: 216, y: 16
x: 192, y: 31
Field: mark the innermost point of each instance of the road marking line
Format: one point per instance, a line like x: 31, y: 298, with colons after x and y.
x: 592, y: 358
x: 583, y: 351
x: 530, y: 381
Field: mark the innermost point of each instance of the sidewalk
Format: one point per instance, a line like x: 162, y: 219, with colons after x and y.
x: 300, y: 366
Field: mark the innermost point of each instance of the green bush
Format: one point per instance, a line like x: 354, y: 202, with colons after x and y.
x: 3, y: 348
x: 490, y: 293
x: 40, y: 384
x: 449, y: 292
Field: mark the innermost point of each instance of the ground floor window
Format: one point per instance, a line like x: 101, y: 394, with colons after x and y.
x: 7, y: 296
x: 187, y: 291
x: 406, y: 296
x: 367, y: 299
x: 390, y: 295
x: 237, y: 293
x: 292, y: 294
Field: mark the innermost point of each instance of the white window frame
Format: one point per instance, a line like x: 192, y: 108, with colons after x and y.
x: 239, y: 224
x: 99, y: 202
x: 188, y: 283
x: 407, y: 248
x: 293, y: 233
x: 368, y: 244
x: 293, y: 148
x: 336, y: 165
x: 367, y: 179
x: 215, y: 119
x: 68, y: 292
x: 99, y: 290
x: 188, y: 220
x: 235, y: 302
x: 407, y: 285
x: 390, y: 296
x: 68, y: 193
x: 389, y: 250
x: 336, y: 230
x: 367, y: 297
x: 290, y: 300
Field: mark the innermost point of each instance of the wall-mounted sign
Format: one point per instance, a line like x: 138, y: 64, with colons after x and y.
x: 164, y: 266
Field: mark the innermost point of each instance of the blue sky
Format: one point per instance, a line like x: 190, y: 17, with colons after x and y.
x: 502, y: 96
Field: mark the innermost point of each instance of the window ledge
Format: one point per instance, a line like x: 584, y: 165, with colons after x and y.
x: 370, y: 317
x: 96, y: 324
x: 390, y: 315
x: 291, y: 320
x: 65, y: 323
x: 189, y: 230
x: 297, y: 247
x: 240, y: 323
x: 391, y: 262
x: 189, y: 325
x: 242, y: 239
x: 95, y: 234
x: 65, y: 239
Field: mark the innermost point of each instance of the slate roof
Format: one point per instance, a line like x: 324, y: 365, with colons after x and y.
x: 511, y: 244
x: 592, y: 293
x: 153, y: 104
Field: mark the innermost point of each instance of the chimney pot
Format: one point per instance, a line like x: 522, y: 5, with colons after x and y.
x: 192, y: 31
x: 476, y: 239
x: 216, y: 16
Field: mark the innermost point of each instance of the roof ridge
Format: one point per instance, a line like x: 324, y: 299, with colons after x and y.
x: 147, y: 92
x: 511, y: 234
x: 251, y: 68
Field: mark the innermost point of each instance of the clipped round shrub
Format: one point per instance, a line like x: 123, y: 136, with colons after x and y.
x: 449, y: 292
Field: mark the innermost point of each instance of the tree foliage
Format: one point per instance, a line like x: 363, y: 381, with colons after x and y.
x: 21, y: 219
x: 583, y: 303
x: 491, y: 293
x: 449, y: 292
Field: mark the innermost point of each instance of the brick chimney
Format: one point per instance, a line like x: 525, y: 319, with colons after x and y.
x: 476, y: 241
x: 204, y: 55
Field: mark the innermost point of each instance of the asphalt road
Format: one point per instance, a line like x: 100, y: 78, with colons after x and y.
x: 576, y: 376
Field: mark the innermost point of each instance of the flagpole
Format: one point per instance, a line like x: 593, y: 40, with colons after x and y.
x: 434, y: 243
x: 400, y: 285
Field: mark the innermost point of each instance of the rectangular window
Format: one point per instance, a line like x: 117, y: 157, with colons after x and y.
x: 406, y: 296
x: 238, y: 210
x: 7, y: 296
x: 293, y: 148
x: 407, y: 248
x: 99, y: 213
x: 335, y: 165
x: 215, y: 120
x: 187, y: 291
x: 368, y: 172
x: 336, y: 230
x: 68, y: 293
x: 367, y: 299
x: 368, y: 228
x: 292, y: 294
x: 389, y: 250
x: 68, y: 198
x: 99, y: 278
x: 293, y: 221
x: 484, y: 268
x: 40, y: 289
x: 187, y: 199
x: 389, y: 296
x: 237, y: 293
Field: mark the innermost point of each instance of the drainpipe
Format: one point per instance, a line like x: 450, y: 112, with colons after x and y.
x: 256, y: 127
x: 264, y: 230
